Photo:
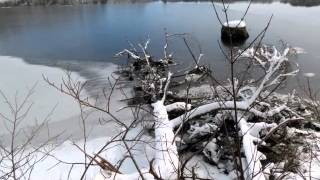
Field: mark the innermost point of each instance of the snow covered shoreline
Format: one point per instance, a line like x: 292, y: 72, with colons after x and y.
x: 158, y: 130
x: 140, y: 153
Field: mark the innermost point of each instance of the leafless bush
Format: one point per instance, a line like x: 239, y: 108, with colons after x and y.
x: 19, y: 156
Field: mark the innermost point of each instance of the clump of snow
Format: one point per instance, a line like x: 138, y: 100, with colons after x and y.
x: 299, y: 50
x: 235, y: 24
x: 309, y: 75
x: 193, y: 77
x: 178, y: 106
x: 211, y: 151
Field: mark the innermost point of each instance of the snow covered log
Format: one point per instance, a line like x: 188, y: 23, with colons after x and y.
x: 227, y: 105
x: 166, y: 164
x: 166, y: 160
x: 178, y: 106
x: 250, y: 134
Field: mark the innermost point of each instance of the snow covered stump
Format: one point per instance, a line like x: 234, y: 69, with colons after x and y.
x: 234, y: 31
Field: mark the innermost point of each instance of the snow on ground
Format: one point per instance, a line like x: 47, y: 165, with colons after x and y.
x: 49, y: 168
x: 309, y: 157
x: 69, y: 153
x: 16, y: 75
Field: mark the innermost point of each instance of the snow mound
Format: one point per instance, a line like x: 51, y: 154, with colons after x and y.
x: 235, y: 23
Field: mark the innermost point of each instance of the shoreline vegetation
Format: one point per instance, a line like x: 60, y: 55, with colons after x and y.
x: 192, y: 112
x: 12, y: 3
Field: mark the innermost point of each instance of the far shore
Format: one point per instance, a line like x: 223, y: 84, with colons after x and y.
x: 12, y: 3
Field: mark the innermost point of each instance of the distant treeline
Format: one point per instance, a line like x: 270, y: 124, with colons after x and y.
x: 306, y: 3
x: 8, y: 3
